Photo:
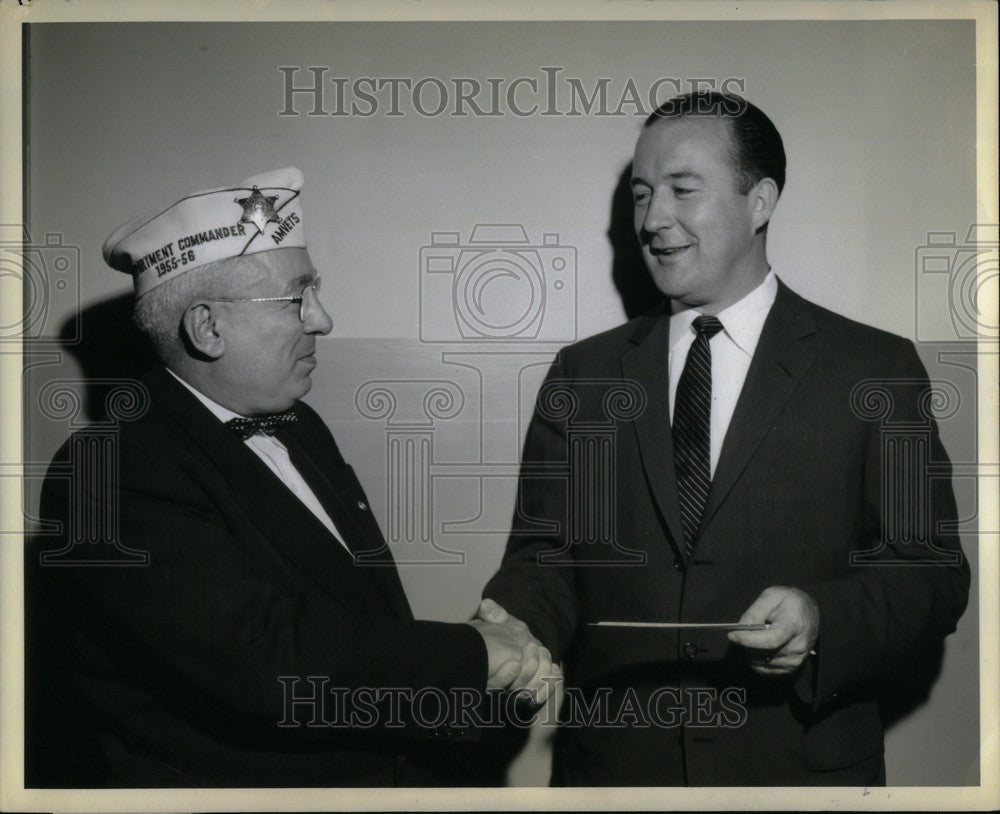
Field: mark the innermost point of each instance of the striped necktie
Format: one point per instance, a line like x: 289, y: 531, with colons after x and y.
x: 692, y: 428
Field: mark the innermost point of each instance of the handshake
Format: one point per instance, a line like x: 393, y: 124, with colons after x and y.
x: 518, y: 662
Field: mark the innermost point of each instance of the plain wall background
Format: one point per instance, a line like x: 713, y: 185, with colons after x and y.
x: 878, y: 123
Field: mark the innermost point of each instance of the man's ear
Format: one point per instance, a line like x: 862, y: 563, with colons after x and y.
x: 763, y: 197
x: 202, y: 330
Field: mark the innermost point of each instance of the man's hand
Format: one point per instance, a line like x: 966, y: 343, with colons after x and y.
x: 534, y: 671
x: 506, y: 641
x: 794, y: 619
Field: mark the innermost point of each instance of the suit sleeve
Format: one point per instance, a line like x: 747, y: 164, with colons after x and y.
x: 208, y: 612
x: 535, y: 580
x: 891, y: 606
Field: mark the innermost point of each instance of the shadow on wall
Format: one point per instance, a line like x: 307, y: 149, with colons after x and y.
x: 111, y: 348
x: 628, y: 270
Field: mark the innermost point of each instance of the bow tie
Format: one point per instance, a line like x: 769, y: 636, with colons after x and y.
x: 261, y: 424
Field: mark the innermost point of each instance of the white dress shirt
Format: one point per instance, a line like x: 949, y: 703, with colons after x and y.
x: 732, y: 351
x: 275, y: 454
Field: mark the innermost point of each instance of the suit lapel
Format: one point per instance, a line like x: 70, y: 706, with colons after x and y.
x: 337, y: 488
x: 647, y: 364
x: 315, y: 472
x: 271, y: 507
x: 780, y: 360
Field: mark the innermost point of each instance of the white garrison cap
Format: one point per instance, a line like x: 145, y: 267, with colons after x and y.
x: 262, y: 213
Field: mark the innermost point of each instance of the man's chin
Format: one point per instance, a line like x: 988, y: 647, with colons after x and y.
x: 291, y: 394
x: 303, y: 386
x: 668, y: 281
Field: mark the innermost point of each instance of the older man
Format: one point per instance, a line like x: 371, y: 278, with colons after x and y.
x: 749, y: 481
x: 236, y: 654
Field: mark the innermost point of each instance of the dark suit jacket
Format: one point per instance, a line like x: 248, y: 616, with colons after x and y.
x: 799, y: 488
x: 176, y: 664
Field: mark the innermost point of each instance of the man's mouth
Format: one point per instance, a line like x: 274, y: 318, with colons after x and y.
x: 668, y: 251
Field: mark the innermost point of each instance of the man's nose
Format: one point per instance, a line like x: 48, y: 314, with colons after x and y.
x: 659, y: 214
x: 317, y: 320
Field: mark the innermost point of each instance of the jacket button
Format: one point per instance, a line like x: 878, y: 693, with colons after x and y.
x: 690, y: 650
x: 678, y: 565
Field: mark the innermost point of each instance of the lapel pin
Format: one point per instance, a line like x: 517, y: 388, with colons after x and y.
x: 362, y: 505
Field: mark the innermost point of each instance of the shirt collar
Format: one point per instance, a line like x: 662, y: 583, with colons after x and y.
x: 742, y: 321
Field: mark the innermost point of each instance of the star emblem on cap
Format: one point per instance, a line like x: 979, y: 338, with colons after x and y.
x: 258, y: 209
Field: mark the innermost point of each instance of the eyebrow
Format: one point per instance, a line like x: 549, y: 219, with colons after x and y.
x: 685, y: 174
x: 301, y: 281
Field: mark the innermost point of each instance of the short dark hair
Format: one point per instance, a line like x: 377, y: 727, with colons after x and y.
x: 758, y: 151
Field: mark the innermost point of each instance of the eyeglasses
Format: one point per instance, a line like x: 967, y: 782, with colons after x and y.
x: 311, y: 290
